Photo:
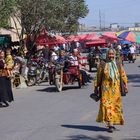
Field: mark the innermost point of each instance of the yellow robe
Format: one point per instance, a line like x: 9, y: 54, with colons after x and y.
x: 9, y: 61
x: 111, y: 101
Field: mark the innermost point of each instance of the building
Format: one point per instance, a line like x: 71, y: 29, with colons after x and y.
x: 13, y: 34
x: 136, y: 29
x: 14, y: 31
x: 114, y: 27
x: 137, y: 24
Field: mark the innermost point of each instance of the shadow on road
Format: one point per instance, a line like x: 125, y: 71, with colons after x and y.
x: 85, y: 127
x: 134, y: 78
x: 83, y: 137
x: 136, y: 86
x: 138, y: 138
x: 48, y: 89
x: 53, y: 89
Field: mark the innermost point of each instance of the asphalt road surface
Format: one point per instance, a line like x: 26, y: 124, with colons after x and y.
x: 41, y: 113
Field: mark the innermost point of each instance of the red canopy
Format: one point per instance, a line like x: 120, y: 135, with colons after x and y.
x: 92, y: 37
x: 60, y: 39
x: 98, y: 42
x: 73, y: 38
x: 87, y: 37
x: 110, y: 35
x: 46, y: 39
x: 83, y: 37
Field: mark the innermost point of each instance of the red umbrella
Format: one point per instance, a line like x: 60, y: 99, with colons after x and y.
x: 110, y: 35
x: 60, y: 39
x: 87, y: 37
x: 82, y: 37
x: 91, y: 37
x: 96, y: 43
x: 73, y: 38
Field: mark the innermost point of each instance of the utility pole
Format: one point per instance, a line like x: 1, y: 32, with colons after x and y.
x: 100, y: 19
x: 104, y: 20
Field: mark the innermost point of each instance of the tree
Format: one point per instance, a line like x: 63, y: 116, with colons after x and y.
x: 33, y: 15
x: 6, y: 8
x: 74, y: 10
x: 55, y: 15
x: 64, y: 15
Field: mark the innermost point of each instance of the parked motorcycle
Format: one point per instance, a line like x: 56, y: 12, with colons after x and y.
x: 44, y: 72
x: 59, y: 76
x: 38, y: 71
x: 131, y: 58
x: 33, y: 74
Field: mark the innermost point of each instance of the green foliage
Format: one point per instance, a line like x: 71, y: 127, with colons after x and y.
x: 66, y: 14
x: 6, y: 9
x: 54, y: 15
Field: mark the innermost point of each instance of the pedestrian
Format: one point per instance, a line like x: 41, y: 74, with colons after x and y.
x: 6, y: 94
x: 111, y: 111
x: 75, y: 61
x: 118, y: 55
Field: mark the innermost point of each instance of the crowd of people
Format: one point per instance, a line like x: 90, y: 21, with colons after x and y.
x: 107, y: 79
x: 13, y: 62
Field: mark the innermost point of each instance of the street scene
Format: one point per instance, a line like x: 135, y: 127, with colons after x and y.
x: 69, y: 70
x: 43, y: 113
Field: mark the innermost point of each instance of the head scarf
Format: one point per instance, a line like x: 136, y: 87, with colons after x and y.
x: 112, y: 66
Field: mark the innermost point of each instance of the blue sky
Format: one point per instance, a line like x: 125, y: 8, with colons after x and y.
x: 124, y: 12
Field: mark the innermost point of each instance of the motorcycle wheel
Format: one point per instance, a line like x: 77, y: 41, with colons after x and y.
x: 59, y: 81
x: 31, y: 81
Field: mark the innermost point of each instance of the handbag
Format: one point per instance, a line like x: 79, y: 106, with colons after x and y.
x: 122, y: 84
x: 96, y: 96
x: 98, y: 92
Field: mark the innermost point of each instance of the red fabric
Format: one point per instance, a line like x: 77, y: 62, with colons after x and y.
x: 73, y: 38
x: 110, y: 35
x: 92, y: 37
x: 45, y: 39
x: 60, y: 39
x: 96, y: 43
x: 73, y: 70
x: 85, y: 37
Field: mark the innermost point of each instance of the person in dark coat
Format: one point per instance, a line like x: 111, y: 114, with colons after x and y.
x: 6, y: 94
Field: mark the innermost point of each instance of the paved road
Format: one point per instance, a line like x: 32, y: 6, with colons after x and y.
x: 40, y: 113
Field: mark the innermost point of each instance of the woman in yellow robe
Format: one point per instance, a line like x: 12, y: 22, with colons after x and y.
x: 110, y: 112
